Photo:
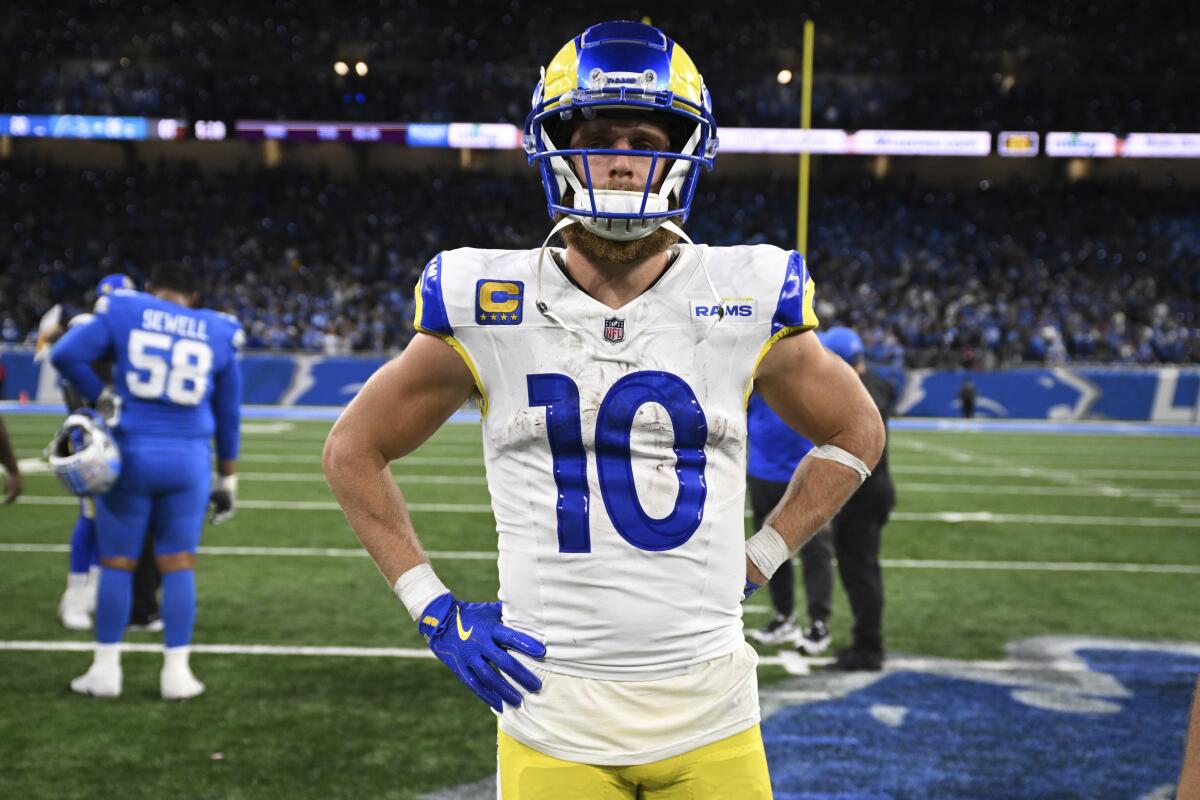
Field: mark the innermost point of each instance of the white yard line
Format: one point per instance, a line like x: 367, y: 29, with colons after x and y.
x: 1035, y: 472
x: 317, y: 477
x: 490, y: 555
x: 951, y: 517
x: 987, y: 517
x: 1051, y: 491
x: 1079, y: 478
x: 916, y: 663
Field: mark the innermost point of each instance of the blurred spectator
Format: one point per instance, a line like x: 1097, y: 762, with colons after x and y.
x: 1023, y: 272
x: 1062, y: 64
x: 966, y: 397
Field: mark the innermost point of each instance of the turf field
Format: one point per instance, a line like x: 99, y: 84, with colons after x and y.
x: 998, y: 537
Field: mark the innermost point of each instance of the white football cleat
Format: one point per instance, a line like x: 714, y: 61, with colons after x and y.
x: 99, y: 681
x: 73, y: 609
x: 178, y: 683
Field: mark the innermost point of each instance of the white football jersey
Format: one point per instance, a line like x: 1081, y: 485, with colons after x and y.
x: 615, y: 449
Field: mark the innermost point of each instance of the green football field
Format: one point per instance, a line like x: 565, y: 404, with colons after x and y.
x: 997, y: 537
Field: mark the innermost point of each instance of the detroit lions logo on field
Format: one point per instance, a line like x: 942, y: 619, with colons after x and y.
x: 737, y: 309
x: 499, y: 302
x: 1063, y: 717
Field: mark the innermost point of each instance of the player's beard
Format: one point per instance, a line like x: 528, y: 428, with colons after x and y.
x: 609, y: 251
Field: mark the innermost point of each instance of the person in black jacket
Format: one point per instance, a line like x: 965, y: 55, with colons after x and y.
x: 857, y: 527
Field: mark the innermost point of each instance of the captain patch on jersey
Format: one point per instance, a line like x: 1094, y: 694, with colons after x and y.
x: 499, y: 302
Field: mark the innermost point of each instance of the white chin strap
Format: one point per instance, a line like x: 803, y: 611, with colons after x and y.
x: 668, y: 224
x: 615, y: 201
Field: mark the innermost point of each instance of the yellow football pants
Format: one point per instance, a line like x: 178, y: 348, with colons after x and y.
x: 734, y: 768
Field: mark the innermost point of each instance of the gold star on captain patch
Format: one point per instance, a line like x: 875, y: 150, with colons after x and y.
x: 483, y: 317
x: 493, y: 316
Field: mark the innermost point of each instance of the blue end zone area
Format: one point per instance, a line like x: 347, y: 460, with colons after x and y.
x: 1117, y: 733
x: 471, y: 415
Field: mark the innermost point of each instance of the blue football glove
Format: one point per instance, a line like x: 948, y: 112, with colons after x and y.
x: 470, y: 640
x: 750, y: 589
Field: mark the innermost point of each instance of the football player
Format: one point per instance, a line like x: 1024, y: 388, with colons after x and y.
x: 83, y: 570
x: 176, y: 382
x: 612, y: 379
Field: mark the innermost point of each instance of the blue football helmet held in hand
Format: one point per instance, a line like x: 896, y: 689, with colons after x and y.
x: 470, y: 639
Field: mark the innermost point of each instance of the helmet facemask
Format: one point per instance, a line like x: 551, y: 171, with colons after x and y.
x: 622, y: 211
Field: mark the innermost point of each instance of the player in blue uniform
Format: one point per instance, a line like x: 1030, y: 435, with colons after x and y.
x: 176, y: 383
x: 83, y: 570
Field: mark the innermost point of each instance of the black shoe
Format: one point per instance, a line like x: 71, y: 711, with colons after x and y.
x: 816, y: 639
x: 855, y: 660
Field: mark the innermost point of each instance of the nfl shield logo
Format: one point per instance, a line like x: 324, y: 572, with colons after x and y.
x: 614, y: 330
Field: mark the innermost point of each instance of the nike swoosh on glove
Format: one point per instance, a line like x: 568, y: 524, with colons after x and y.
x: 470, y: 639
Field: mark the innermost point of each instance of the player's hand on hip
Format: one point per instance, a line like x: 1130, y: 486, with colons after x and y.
x: 223, y: 499
x: 108, y: 405
x: 470, y: 639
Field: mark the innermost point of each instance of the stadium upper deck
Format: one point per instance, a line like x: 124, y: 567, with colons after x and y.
x: 1058, y: 65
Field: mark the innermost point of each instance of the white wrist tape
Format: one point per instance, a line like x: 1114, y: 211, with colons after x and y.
x: 228, y: 483
x: 417, y: 588
x: 831, y: 452
x: 767, y: 550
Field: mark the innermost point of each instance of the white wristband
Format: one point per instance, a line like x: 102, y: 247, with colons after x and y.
x: 831, y: 452
x: 228, y: 483
x: 767, y: 550
x: 417, y: 588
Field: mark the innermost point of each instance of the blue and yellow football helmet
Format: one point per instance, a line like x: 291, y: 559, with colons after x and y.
x: 627, y: 66
x: 110, y: 283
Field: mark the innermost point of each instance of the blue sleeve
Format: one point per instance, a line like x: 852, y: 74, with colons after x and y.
x: 794, y: 309
x: 431, y: 314
x: 227, y: 408
x: 74, y: 353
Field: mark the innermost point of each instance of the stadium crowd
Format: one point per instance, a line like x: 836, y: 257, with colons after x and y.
x: 1063, y: 65
x: 995, y: 275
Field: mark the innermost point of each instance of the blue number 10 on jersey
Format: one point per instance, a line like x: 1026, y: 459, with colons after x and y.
x: 614, y: 465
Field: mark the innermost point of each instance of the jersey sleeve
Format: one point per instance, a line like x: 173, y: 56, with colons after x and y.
x: 434, y: 317
x: 74, y: 353
x: 794, y: 310
x: 431, y: 316
x: 227, y: 396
